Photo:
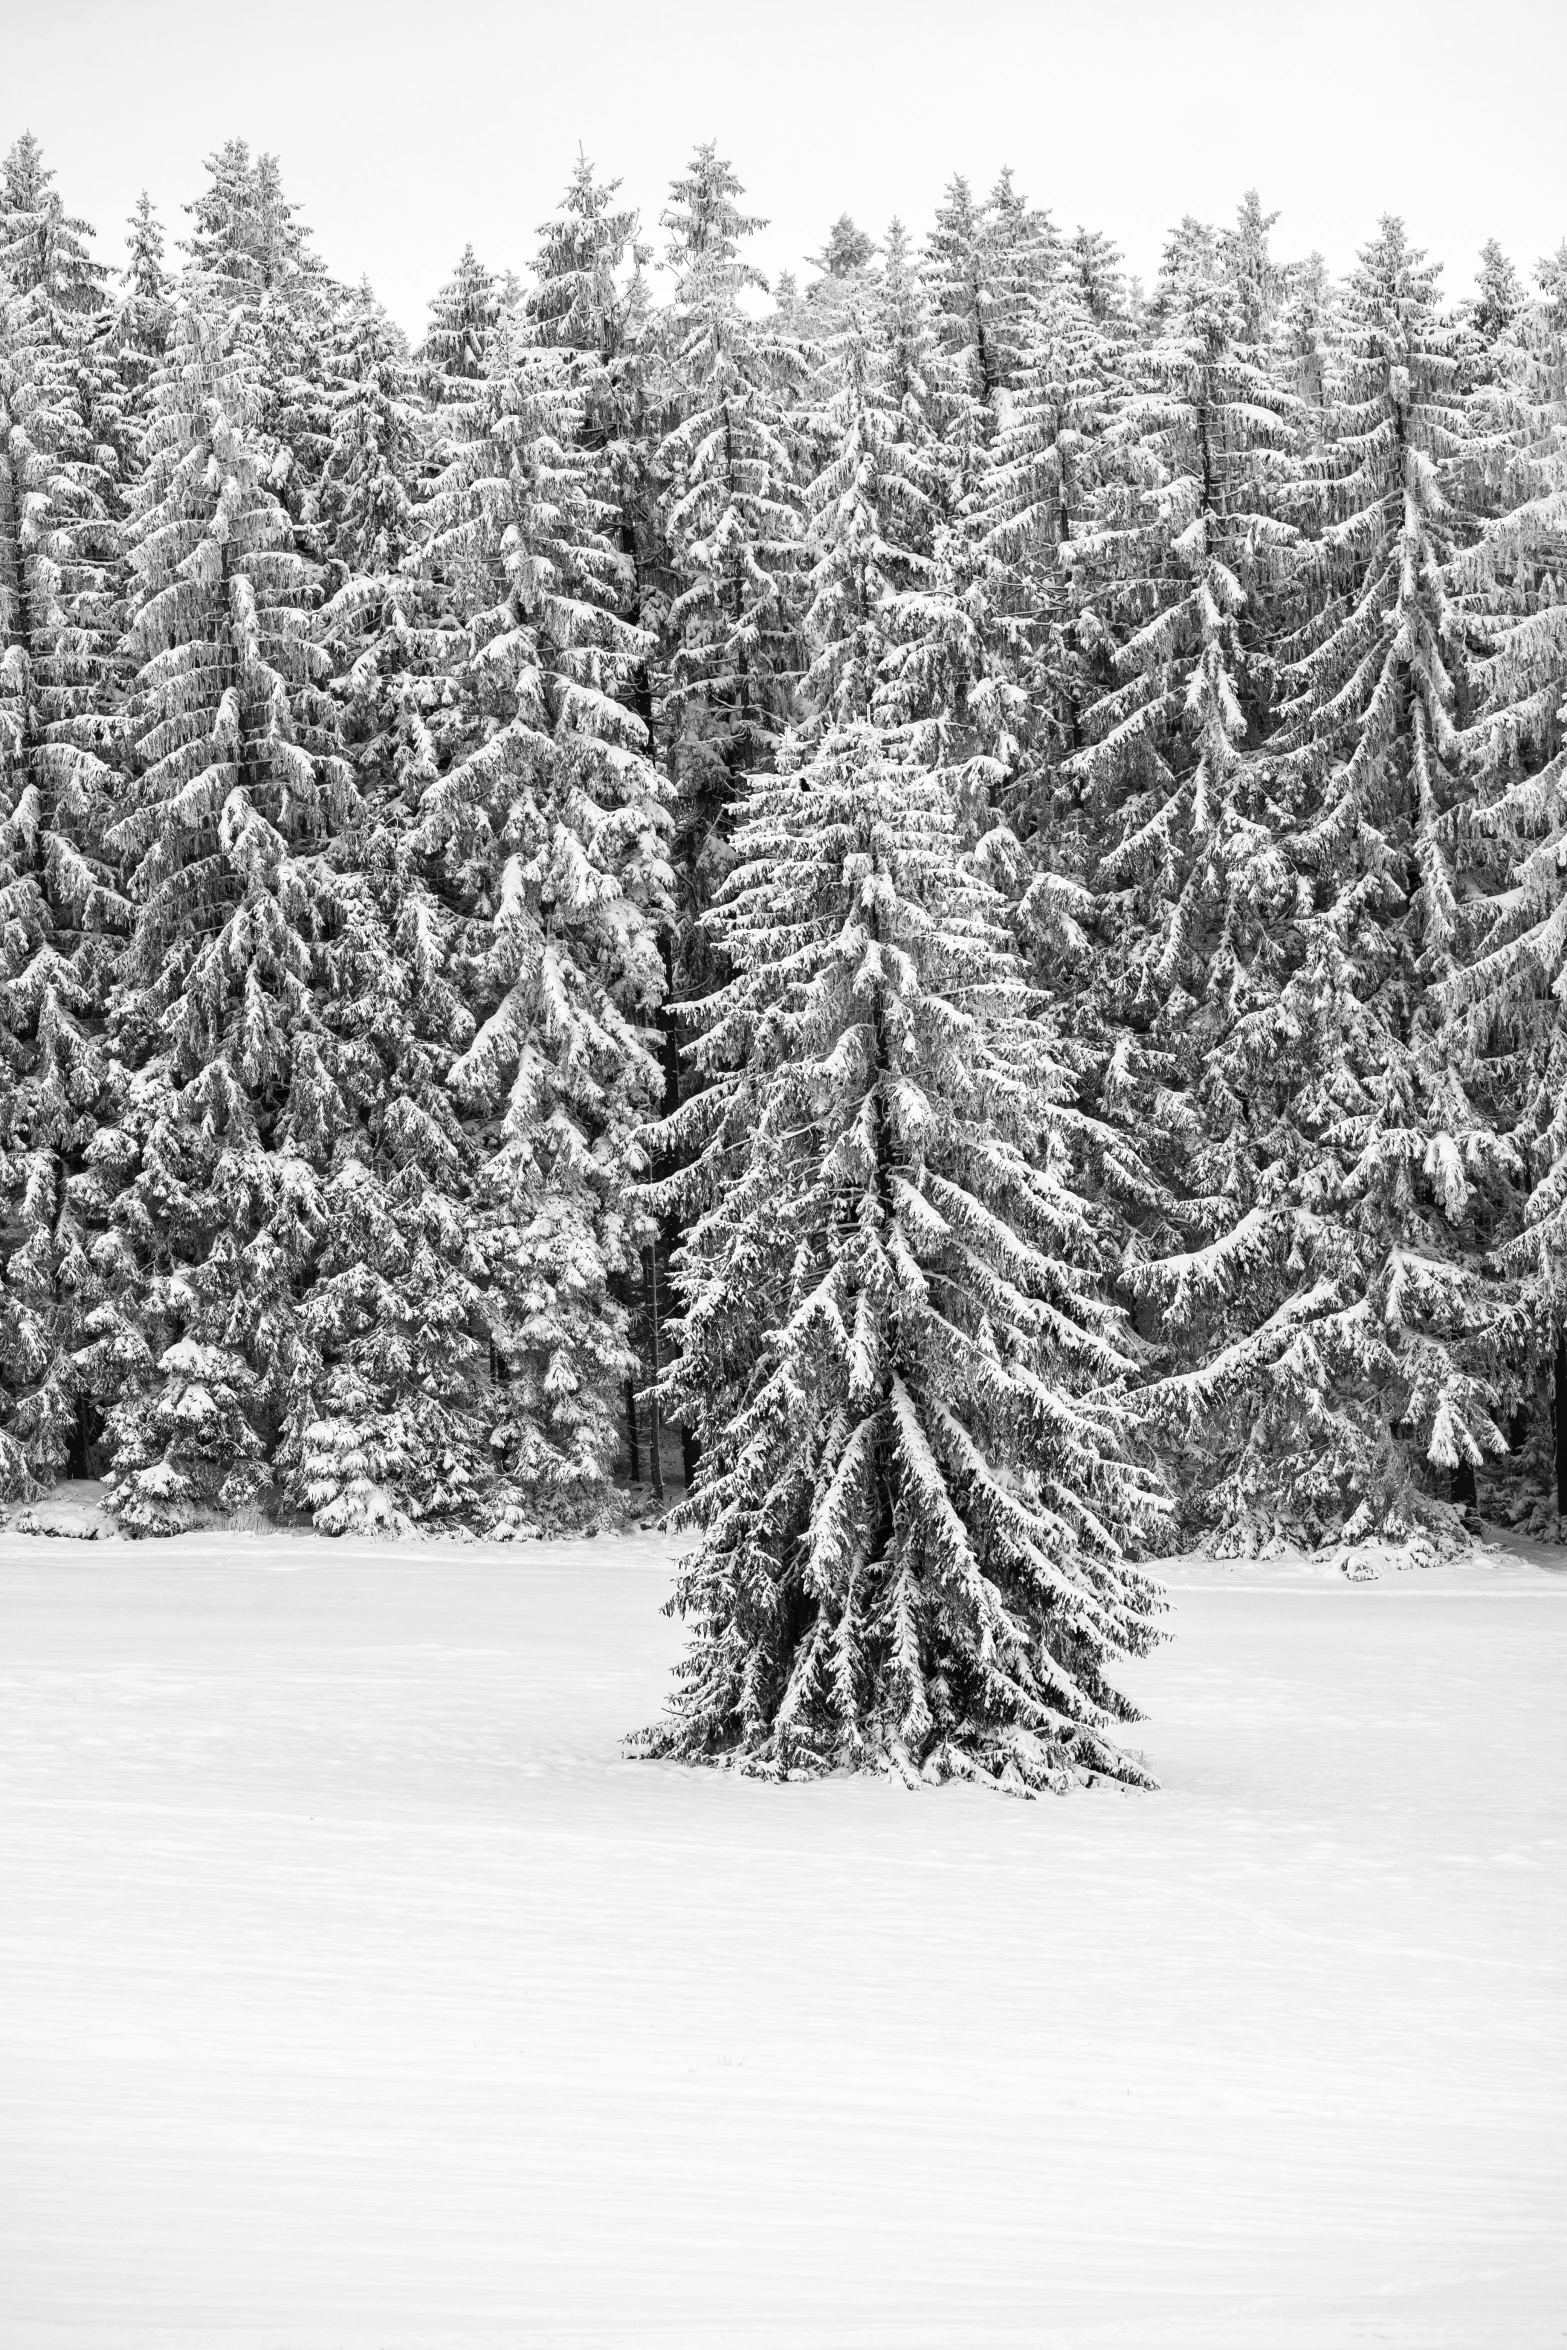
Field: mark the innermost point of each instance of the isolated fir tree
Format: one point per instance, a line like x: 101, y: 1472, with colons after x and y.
x: 894, y: 1340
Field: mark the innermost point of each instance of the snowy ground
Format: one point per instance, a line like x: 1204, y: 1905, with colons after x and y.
x: 357, y: 1995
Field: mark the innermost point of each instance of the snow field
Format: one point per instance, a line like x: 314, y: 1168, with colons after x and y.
x: 358, y: 1994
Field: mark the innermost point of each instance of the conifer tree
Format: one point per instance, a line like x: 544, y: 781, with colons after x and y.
x: 590, y: 298
x: 249, y: 247
x: 731, y: 527
x: 1373, y: 1371
x: 456, y: 347
x: 144, y: 315
x: 1503, y: 1003
x: 907, y: 1381
x: 393, y: 1429
x: 1191, y: 871
x: 548, y: 828
x: 1095, y: 261
x: 234, y: 1103
x: 60, y: 911
x: 589, y: 291
x: 1035, y: 499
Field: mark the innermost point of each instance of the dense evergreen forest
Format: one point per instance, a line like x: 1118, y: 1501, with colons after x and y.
x: 938, y: 891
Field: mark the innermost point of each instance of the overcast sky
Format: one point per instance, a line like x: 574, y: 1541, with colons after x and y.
x: 408, y: 127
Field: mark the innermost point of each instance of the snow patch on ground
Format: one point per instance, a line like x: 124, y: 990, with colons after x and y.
x: 356, y: 1993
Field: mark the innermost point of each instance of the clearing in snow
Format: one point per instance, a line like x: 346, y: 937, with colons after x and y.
x: 359, y: 1994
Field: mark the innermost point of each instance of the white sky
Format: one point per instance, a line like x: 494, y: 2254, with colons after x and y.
x: 407, y: 127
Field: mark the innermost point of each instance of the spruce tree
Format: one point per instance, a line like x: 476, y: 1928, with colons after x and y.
x: 456, y: 347
x: 731, y: 529
x: 393, y: 1428
x: 59, y: 620
x: 233, y: 1105
x: 589, y: 290
x: 918, y: 1499
x: 144, y: 314
x: 1364, y: 1387
x: 547, y: 826
x: 1503, y: 1003
x: 250, y: 248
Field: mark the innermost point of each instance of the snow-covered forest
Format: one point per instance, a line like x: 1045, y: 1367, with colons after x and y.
x: 929, y: 901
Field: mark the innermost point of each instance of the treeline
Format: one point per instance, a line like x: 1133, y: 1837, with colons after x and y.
x: 981, y: 846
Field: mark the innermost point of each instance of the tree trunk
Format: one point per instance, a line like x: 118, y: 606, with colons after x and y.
x: 631, y: 1430
x: 650, y: 1278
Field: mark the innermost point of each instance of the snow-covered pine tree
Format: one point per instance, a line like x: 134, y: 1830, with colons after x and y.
x: 233, y: 1104
x: 1156, y: 880
x: 1371, y: 1361
x: 144, y: 311
x: 844, y: 265
x: 59, y: 911
x: 392, y: 1427
x: 872, y: 514
x: 960, y: 281
x: 589, y: 291
x: 1305, y: 332
x: 1190, y: 872
x: 456, y: 346
x: 1498, y: 297
x: 1035, y: 495
x: 950, y: 337
x: 970, y: 276
x: 1505, y: 1001
x: 918, y: 1497
x: 1095, y: 261
x: 731, y: 529
x: 250, y: 246
x: 1258, y: 280
x: 548, y: 828
x: 590, y: 298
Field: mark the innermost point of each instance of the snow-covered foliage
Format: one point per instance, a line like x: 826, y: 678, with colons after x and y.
x: 906, y: 1377
x: 448, y: 798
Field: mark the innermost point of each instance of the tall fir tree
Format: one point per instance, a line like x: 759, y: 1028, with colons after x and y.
x: 60, y: 614
x: 1504, y: 1002
x: 1366, y: 1386
x: 909, y: 1386
x: 731, y: 525
x: 394, y: 1429
x: 548, y: 827
x: 233, y: 1104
